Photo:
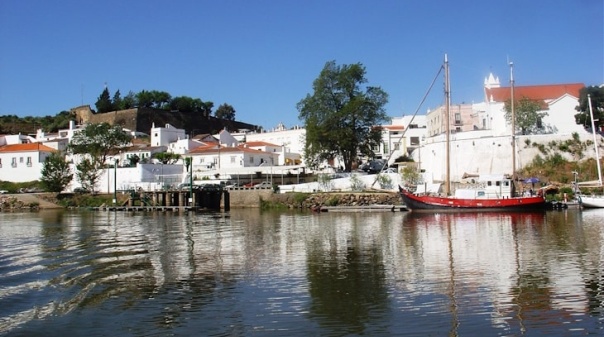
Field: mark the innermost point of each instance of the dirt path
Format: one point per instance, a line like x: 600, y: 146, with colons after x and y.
x: 28, y: 198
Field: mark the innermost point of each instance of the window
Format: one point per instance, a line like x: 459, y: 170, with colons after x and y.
x: 251, y: 159
x: 29, y: 161
x: 14, y: 162
x: 0, y: 162
x: 233, y: 159
x: 414, y: 140
x: 21, y: 160
x: 386, y: 148
x: 397, y: 146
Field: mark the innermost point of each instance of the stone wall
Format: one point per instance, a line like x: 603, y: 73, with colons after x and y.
x: 142, y: 120
x: 250, y: 198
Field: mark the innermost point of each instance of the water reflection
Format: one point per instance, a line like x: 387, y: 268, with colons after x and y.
x: 253, y: 272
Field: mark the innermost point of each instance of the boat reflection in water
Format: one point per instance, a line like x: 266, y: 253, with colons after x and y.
x: 524, y: 265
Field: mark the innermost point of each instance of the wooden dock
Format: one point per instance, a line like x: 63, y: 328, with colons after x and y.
x: 365, y: 208
x: 174, y: 209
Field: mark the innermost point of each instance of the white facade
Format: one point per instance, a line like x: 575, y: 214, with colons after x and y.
x: 291, y: 140
x: 23, y: 162
x: 162, y: 136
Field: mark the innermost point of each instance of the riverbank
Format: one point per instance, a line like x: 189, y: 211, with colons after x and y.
x: 302, y: 201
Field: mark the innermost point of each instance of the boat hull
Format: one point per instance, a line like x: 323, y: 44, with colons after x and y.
x: 437, y: 203
x: 592, y: 202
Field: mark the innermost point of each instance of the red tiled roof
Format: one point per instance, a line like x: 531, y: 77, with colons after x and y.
x: 259, y: 143
x: 394, y: 127
x: 534, y: 92
x: 29, y: 147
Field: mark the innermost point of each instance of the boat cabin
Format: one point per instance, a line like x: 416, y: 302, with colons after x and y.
x: 487, y: 187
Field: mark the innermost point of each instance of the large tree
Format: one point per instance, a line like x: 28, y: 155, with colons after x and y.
x: 529, y: 115
x: 225, y: 111
x: 98, y: 140
x: 597, y: 105
x: 56, y: 173
x: 341, y: 116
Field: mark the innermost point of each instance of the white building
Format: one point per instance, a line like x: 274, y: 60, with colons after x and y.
x: 23, y: 162
x: 488, y: 149
x: 162, y: 136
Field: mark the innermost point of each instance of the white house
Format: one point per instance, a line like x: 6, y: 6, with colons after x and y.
x: 401, y: 137
x: 488, y: 149
x: 23, y: 162
x: 162, y: 136
x: 558, y: 101
x: 292, y: 140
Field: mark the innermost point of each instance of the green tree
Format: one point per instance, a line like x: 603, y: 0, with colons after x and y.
x: 341, y: 117
x: 133, y: 160
x: 117, y: 101
x: 103, y: 103
x: 88, y: 172
x: 205, y: 108
x: 98, y: 140
x: 529, y: 115
x: 597, y: 105
x: 181, y: 103
x: 145, y: 99
x: 129, y: 101
x: 225, y: 111
x: 55, y: 173
x: 161, y: 99
x: 168, y: 158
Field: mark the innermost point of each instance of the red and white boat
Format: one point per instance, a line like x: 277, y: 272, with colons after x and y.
x: 492, y: 194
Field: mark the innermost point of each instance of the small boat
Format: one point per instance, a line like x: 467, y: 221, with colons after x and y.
x: 591, y: 201
x: 498, y: 195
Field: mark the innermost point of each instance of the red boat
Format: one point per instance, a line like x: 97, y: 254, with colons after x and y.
x: 432, y: 202
x: 492, y: 193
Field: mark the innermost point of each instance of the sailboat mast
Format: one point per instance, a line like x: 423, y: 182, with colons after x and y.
x: 513, y: 121
x: 448, y: 127
x: 593, y: 131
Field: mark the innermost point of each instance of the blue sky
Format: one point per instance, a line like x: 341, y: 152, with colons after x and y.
x: 262, y: 56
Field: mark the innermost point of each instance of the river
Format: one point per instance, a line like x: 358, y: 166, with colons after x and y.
x: 256, y: 273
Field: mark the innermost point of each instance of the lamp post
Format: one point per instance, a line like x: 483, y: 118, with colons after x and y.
x: 189, y: 163
x: 575, y: 187
x: 115, y: 181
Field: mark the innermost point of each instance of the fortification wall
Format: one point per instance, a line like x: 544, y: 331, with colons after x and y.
x: 143, y: 119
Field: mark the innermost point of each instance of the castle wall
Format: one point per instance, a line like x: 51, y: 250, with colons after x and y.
x: 142, y: 120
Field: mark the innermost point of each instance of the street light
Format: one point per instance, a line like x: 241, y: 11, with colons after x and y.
x: 115, y: 181
x: 575, y: 187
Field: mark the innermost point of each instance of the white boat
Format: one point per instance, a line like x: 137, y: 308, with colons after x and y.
x: 593, y: 201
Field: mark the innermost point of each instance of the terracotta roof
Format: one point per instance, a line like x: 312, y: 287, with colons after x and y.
x: 214, y: 149
x: 394, y: 127
x: 259, y: 143
x: 534, y: 92
x: 29, y: 147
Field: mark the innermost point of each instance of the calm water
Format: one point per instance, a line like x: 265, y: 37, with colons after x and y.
x: 253, y: 273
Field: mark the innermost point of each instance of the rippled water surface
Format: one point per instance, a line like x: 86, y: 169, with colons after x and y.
x: 254, y: 273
